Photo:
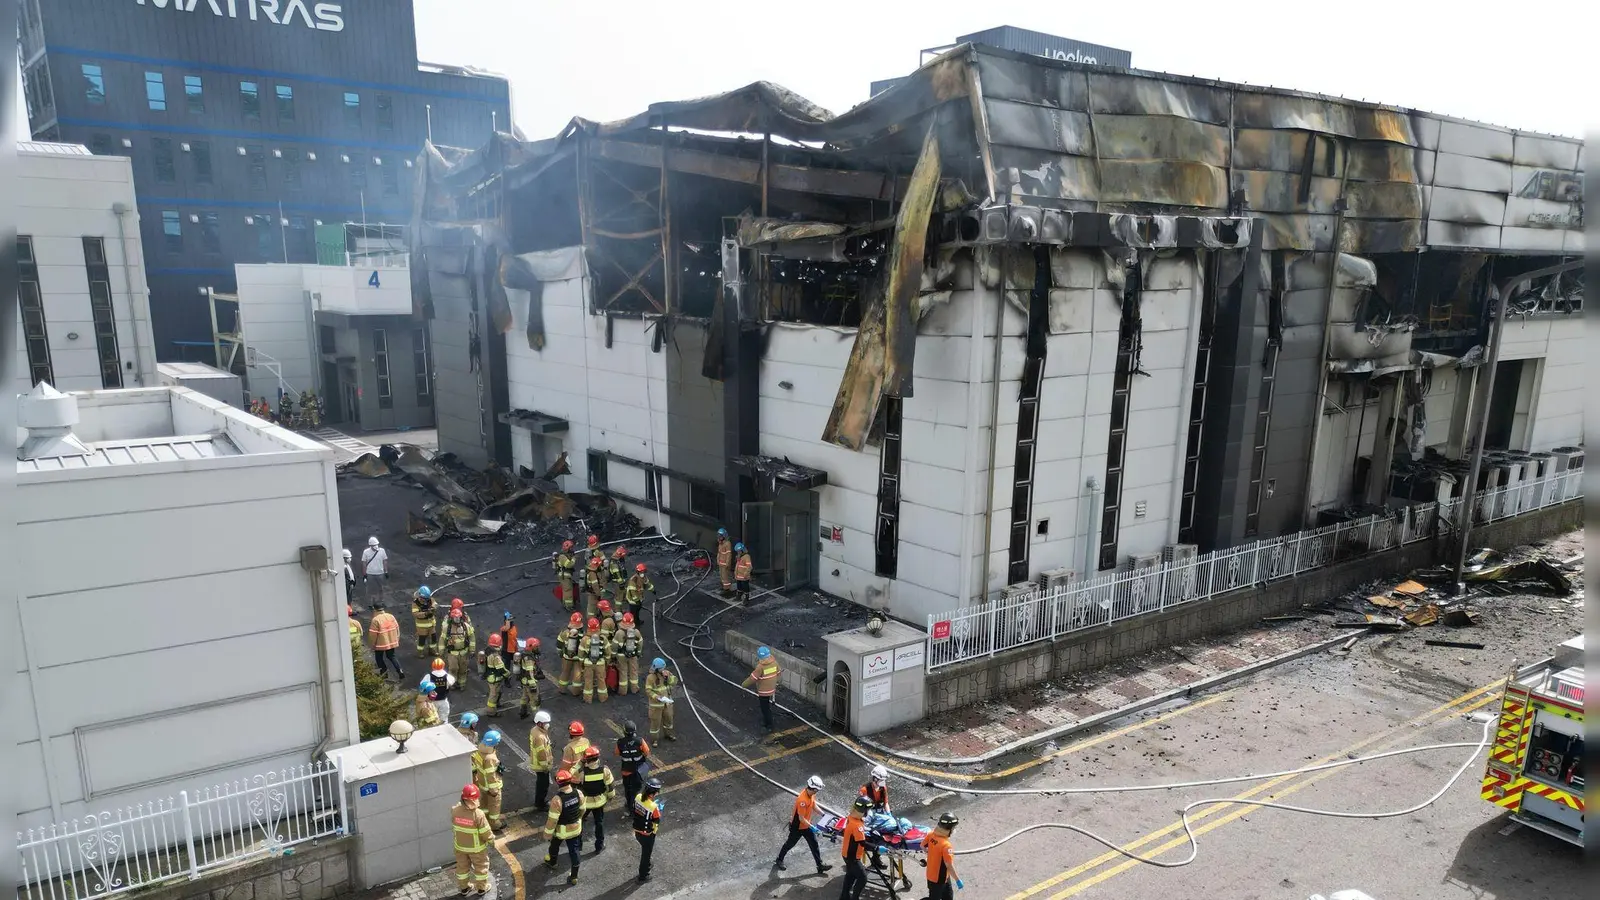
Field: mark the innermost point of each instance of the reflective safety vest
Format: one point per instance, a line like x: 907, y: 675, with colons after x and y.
x: 355, y: 635
x: 568, y: 638
x: 422, y: 612
x: 495, y: 670
x: 458, y: 637
x: 637, y: 585
x: 486, y: 769
x: 596, y: 786
x: 630, y: 642
x: 530, y: 669
x: 565, y: 820
x: 594, y: 649
x: 385, y: 632
x: 646, y: 815
x: 608, y: 626
x: 564, y: 564
x: 658, y: 687
x: 539, y: 751
x: 741, y: 571
x: 614, y: 570
x: 765, y: 677
x: 426, y: 715
x: 724, y: 554
x: 572, y: 754
x: 632, y: 753
x: 595, y: 581
x: 471, y: 828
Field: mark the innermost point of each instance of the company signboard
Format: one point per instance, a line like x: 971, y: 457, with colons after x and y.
x: 303, y: 13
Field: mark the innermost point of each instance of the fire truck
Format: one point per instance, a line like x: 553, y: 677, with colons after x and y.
x: 1535, y: 767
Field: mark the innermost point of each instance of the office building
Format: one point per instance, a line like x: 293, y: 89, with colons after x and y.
x: 248, y: 123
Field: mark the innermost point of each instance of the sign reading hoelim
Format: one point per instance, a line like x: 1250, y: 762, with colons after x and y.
x: 321, y: 16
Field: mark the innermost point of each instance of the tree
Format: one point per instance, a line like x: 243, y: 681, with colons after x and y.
x: 377, y: 703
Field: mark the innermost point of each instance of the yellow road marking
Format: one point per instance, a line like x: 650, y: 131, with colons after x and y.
x: 519, y: 828
x: 1209, y: 811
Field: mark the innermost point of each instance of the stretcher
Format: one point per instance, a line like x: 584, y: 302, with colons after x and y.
x: 887, y: 841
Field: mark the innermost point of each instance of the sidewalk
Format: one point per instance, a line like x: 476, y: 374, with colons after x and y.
x: 988, y: 727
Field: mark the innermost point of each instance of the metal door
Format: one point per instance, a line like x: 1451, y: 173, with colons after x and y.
x: 839, y: 705
x: 800, y: 551
x: 757, y: 535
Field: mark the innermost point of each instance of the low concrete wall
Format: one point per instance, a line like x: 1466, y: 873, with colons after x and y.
x: 795, y: 675
x: 314, y: 871
x: 1013, y: 670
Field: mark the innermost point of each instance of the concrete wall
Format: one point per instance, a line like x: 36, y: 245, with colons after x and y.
x: 1007, y: 672
x: 694, y: 416
x: 185, y: 654
x: 796, y: 676
x: 315, y: 871
x: 61, y: 199
x: 275, y: 320
x: 1555, y: 402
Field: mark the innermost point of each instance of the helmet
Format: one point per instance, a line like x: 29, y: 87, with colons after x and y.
x: 604, y: 607
x: 491, y: 738
x: 470, y: 792
x: 566, y: 545
x: 763, y: 652
x: 424, y: 591
x: 495, y: 640
x: 949, y: 821
x: 531, y: 645
x: 542, y: 717
x: 506, y: 615
x: 814, y: 783
x: 594, y: 540
x: 620, y: 553
x: 426, y: 687
x: 627, y: 618
x: 575, y: 729
x: 639, y: 568
x: 347, y: 555
x: 576, y: 620
x: 349, y: 610
x: 722, y: 532
x: 880, y: 773
x: 629, y: 729
x: 594, y: 563
x: 594, y: 624
x: 905, y: 825
x: 469, y: 719
x: 438, y: 665
x: 372, y: 542
x: 563, y: 777
x: 862, y: 804
x: 591, y: 753
x: 739, y: 546
x: 455, y: 603
x: 456, y: 613
x: 658, y: 663
x: 653, y: 785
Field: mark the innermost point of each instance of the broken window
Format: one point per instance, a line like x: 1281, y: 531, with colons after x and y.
x: 597, y: 471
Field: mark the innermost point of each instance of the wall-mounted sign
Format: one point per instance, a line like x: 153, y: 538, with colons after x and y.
x: 877, y: 664
x: 373, y: 281
x: 908, y: 657
x: 368, y: 789
x: 311, y: 14
x: 875, y: 691
x: 832, y: 533
x: 941, y: 630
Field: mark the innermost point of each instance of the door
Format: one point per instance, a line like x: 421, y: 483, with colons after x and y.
x: 330, y: 394
x: 800, y: 551
x: 1503, y: 405
x: 839, y: 698
x: 758, y: 536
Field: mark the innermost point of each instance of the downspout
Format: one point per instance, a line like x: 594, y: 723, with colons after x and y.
x: 1092, y: 528
x: 969, y: 487
x: 994, y: 435
x: 315, y: 561
x: 121, y: 209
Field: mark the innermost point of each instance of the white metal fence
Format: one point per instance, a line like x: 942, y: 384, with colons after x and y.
x: 993, y: 626
x: 119, y: 850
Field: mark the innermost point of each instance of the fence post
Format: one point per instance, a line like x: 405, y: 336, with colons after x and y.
x: 344, y: 804
x: 188, y: 834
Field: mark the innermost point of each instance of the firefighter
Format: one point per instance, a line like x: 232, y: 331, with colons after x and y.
x: 564, y: 824
x: 385, y: 634
x: 801, y: 826
x: 741, y: 571
x: 658, y: 687
x: 633, y: 759
x: 853, y: 836
x: 598, y: 787
x: 764, y: 680
x: 468, y: 727
x: 617, y: 569
x: 495, y: 673
x: 356, y: 631
x: 725, y: 561
x: 941, y: 860
x: 608, y: 619
x: 595, y: 652
x: 443, y: 684
x: 646, y: 822
x: 633, y: 593
x: 525, y: 666
x: 628, y: 644
x: 473, y: 834
x: 594, y: 586
x: 508, y: 638
x: 424, y: 615
x: 567, y: 643
x: 459, y: 643
x: 564, y: 570
x: 572, y: 753
x: 541, y: 757
x: 423, y: 713
x: 595, y: 550
x: 876, y: 790
x: 487, y: 774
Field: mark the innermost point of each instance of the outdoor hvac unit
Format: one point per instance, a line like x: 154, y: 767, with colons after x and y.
x: 1180, y: 553
x: 1056, y: 579
x: 1566, y: 459
x: 1511, y: 497
x: 1019, y: 592
x: 1144, y: 561
x: 1024, y: 621
x: 1184, y: 576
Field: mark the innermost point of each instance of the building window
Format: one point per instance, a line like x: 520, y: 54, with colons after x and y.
x: 155, y: 91
x: 419, y: 361
x: 194, y: 94
x: 291, y: 169
x: 384, y: 111
x: 100, y: 145
x: 285, y: 103
x: 258, y: 166
x: 161, y: 156
x: 94, y: 84
x: 597, y: 471
x: 705, y: 501
x: 32, y: 306
x: 94, y: 251
x: 652, y: 485
x: 389, y: 174
x: 358, y: 173
x: 250, y: 99
x: 380, y: 366
x: 171, y: 231
x: 210, y: 232
x: 105, y: 322
x: 352, y: 108
x: 201, y: 151
x: 302, y: 247
x: 267, y: 237
x: 327, y: 340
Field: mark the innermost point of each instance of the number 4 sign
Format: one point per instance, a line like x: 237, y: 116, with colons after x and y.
x: 373, y: 281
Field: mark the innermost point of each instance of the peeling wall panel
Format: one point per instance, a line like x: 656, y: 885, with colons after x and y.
x: 1481, y: 141
x: 1040, y: 127
x: 1371, y: 161
x: 1171, y: 182
x: 1384, y: 200
x: 1472, y: 173
x: 1015, y: 79
x: 1142, y: 95
x: 1278, y: 151
x: 1472, y: 207
x: 1367, y: 123
x: 1026, y: 172
x: 1160, y: 137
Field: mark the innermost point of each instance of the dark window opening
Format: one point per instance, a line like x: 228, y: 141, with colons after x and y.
x: 155, y: 91
x: 100, y: 145
x: 419, y: 362
x: 652, y: 485
x: 201, y: 151
x: 358, y: 173
x: 171, y: 231
x: 250, y: 99
x: 389, y: 172
x: 1130, y: 340
x: 706, y: 501
x: 380, y: 365
x: 194, y: 95
x: 94, y: 84
x: 597, y: 471
x: 384, y: 111
x: 105, y: 325
x: 285, y: 95
x: 258, y: 166
x: 302, y: 247
x: 94, y: 251
x: 166, y: 167
x: 327, y: 340
x: 34, y: 334
x: 888, y: 524
x: 267, y: 237
x: 352, y: 109
x: 1019, y: 546
x: 210, y: 232
x: 291, y: 169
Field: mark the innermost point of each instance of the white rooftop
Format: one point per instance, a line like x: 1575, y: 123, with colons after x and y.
x: 50, y: 148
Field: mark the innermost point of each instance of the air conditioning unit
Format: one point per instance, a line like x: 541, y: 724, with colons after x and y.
x: 1180, y: 553
x: 1183, y: 581
x: 1143, y: 561
x: 1055, y: 579
x: 1566, y: 459
x: 1019, y: 592
x: 1510, y: 497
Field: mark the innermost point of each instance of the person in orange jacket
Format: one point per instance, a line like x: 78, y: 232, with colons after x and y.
x: 853, y: 838
x: 941, y: 861
x: 801, y: 826
x: 385, y: 634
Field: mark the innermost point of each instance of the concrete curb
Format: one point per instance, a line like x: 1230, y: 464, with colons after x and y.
x: 1098, y: 719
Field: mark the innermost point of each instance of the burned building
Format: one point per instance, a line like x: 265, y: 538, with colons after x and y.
x: 1013, y: 318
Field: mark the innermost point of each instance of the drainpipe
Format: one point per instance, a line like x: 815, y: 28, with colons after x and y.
x: 994, y: 435
x: 134, y: 305
x: 969, y: 486
x: 1092, y: 529
x: 315, y: 561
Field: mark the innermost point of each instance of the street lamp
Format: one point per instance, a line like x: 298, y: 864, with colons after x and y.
x: 401, y: 731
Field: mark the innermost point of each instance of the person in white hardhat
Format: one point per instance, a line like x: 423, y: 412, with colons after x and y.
x: 801, y: 826
x: 349, y: 580
x: 375, y: 562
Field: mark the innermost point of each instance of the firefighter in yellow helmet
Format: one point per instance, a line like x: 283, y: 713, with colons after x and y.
x: 472, y: 835
x: 357, y: 631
